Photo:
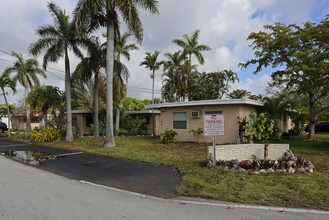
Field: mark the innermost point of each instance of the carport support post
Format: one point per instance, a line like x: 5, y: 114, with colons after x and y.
x: 214, y: 151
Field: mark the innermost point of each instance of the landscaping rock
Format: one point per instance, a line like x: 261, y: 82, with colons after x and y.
x: 291, y: 163
x: 300, y: 170
x: 270, y: 170
x: 262, y: 171
x: 288, y: 155
x: 241, y: 170
x: 311, y: 166
x: 287, y: 164
x: 279, y: 171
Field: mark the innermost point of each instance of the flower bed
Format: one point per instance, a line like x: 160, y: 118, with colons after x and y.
x: 287, y: 164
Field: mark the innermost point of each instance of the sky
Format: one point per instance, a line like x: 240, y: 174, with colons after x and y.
x: 224, y: 26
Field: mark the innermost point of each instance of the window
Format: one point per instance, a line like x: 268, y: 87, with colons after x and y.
x: 89, y: 121
x: 213, y: 112
x: 179, y: 120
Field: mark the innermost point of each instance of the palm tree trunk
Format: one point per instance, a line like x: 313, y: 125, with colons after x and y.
x: 96, y: 106
x: 117, y: 121
x: 153, y: 122
x: 109, y: 135
x: 69, y: 132
x: 312, y: 116
x: 8, y: 111
x: 28, y: 119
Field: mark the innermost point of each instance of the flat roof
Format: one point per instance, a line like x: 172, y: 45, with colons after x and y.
x: 82, y: 112
x: 142, y: 112
x: 207, y: 102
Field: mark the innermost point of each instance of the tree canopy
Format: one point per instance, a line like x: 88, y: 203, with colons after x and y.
x: 299, y: 56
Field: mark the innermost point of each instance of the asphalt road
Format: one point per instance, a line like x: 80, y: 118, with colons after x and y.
x: 150, y: 179
x: 30, y: 193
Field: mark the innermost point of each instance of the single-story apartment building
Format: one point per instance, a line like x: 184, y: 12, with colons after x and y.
x: 19, y: 122
x: 82, y: 120
x: 185, y: 116
x: 147, y: 114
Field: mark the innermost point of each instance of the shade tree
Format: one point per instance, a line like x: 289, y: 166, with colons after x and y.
x: 299, y: 58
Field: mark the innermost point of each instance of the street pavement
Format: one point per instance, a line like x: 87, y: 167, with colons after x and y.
x: 146, y: 178
x: 30, y: 193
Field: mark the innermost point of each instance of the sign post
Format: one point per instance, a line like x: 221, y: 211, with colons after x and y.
x: 214, y: 126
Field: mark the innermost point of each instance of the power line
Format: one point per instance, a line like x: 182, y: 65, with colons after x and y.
x: 59, y: 76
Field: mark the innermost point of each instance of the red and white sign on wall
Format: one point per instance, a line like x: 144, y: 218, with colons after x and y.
x: 213, y: 125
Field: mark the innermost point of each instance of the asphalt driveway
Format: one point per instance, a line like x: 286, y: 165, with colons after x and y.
x: 124, y: 174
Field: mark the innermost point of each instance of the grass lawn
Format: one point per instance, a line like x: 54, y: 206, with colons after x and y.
x: 309, y: 190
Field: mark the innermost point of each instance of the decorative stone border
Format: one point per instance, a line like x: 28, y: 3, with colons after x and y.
x: 287, y: 164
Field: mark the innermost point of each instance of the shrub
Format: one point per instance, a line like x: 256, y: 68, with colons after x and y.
x: 169, y: 136
x: 259, y: 129
x: 134, y: 126
x: 45, y: 135
x: 122, y: 132
x: 196, y: 132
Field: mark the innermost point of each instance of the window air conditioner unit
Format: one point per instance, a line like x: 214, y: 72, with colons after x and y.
x: 196, y: 114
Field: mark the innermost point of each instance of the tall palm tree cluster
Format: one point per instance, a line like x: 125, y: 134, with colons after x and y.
x: 75, y: 35
x: 181, y: 79
x: 27, y: 72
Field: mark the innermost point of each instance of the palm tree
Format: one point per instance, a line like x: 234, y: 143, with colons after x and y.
x: 89, y: 66
x: 6, y: 82
x: 239, y: 94
x: 56, y: 40
x: 151, y: 62
x: 27, y: 75
x: 229, y: 76
x: 171, y: 76
x: 95, y: 13
x: 190, y: 46
x: 121, y: 48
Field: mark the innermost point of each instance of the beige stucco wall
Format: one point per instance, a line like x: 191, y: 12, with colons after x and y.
x: 231, y: 112
x: 149, y: 127
x: 19, y: 123
x: 79, y: 124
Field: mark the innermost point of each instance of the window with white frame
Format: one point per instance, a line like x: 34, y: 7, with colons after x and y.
x: 179, y: 120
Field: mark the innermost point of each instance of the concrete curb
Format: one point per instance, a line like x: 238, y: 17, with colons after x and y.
x: 213, y: 203
x: 14, y: 145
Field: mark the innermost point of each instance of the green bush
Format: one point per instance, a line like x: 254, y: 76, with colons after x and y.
x: 45, y: 135
x: 134, y: 126
x: 169, y: 136
x: 122, y: 132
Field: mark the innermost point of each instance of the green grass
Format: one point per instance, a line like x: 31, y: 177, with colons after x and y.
x: 307, y: 146
x: 309, y: 190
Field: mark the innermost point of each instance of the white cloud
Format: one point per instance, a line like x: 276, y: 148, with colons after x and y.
x: 254, y: 85
x: 224, y: 26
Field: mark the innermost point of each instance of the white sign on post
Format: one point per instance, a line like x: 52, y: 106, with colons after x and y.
x: 213, y: 125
